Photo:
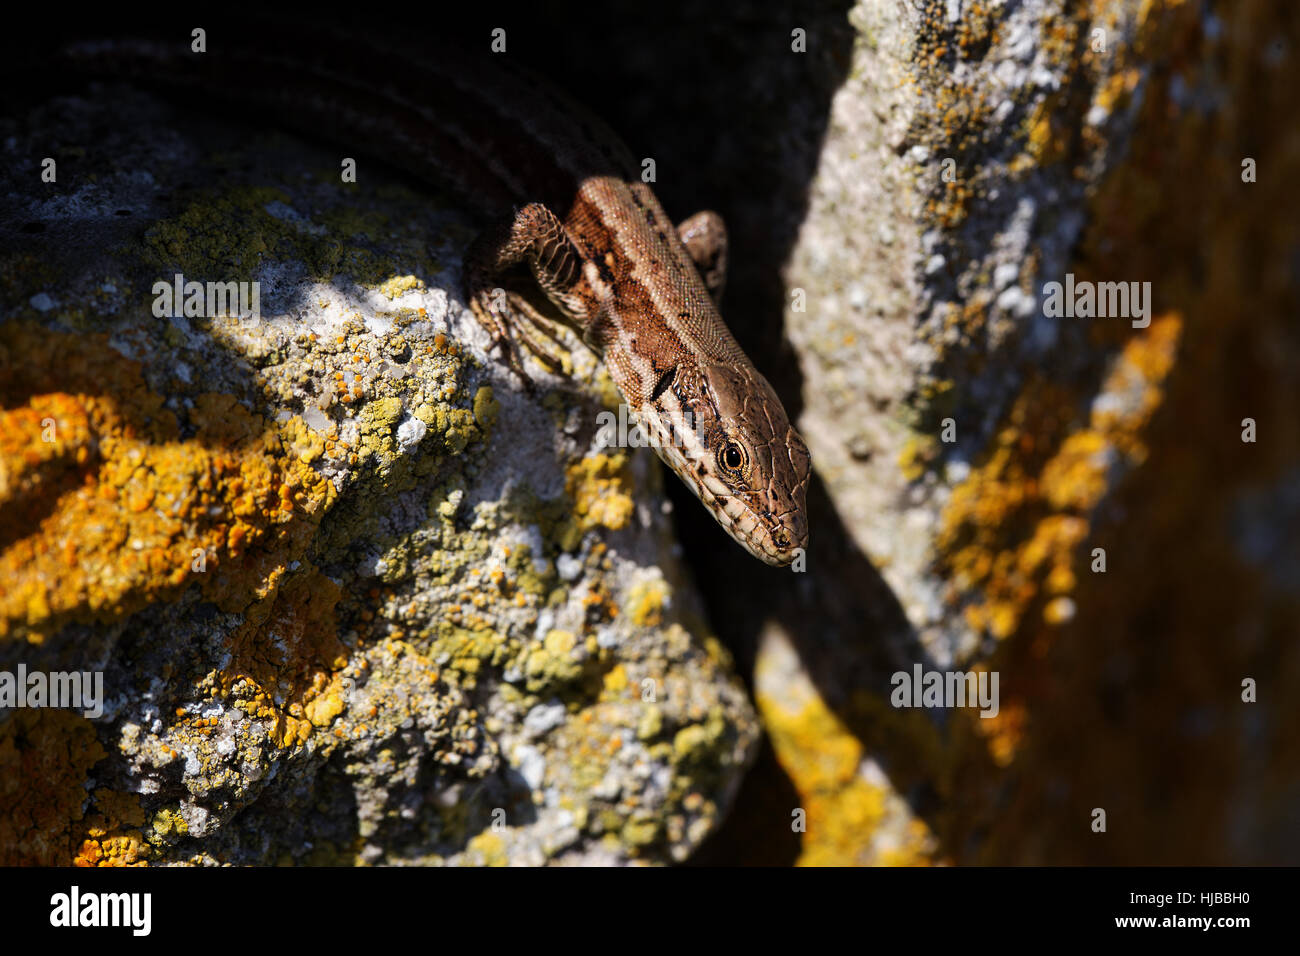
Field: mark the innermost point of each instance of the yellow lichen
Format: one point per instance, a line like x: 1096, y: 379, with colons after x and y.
x: 601, y: 488
x: 615, y: 682
x: 397, y: 285
x: 487, y: 849
x: 645, y: 603
x: 485, y: 408
x: 841, y: 810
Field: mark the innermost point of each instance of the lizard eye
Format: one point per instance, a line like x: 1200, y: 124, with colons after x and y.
x: 731, y: 459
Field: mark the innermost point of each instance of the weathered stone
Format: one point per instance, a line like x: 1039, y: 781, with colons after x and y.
x: 315, y: 550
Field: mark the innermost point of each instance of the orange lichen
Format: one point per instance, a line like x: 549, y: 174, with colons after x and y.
x: 289, y: 651
x: 47, y: 756
x: 1017, y: 520
x: 119, y: 509
x: 113, y: 834
x: 106, y: 507
x: 1131, y: 689
x: 1004, y: 731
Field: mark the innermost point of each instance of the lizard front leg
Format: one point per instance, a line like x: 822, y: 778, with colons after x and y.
x: 705, y: 237
x: 537, y: 237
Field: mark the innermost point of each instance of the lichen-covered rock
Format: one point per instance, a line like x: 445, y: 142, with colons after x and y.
x: 951, y: 188
x: 1075, y: 503
x: 355, y: 596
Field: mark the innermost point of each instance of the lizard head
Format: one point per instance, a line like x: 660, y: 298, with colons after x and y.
x: 738, y: 453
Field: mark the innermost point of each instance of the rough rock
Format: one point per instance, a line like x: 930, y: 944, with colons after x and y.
x: 356, y: 597
x: 1065, y: 501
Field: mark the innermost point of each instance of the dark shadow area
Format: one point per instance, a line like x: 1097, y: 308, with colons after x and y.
x: 757, y: 831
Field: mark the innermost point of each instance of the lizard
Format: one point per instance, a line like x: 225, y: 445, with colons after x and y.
x: 565, y: 201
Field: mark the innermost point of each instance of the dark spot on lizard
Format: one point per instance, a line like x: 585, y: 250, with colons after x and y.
x: 665, y: 380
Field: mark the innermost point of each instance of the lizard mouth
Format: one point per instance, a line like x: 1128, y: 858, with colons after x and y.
x: 774, y: 539
x: 779, y: 546
x: 752, y: 520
